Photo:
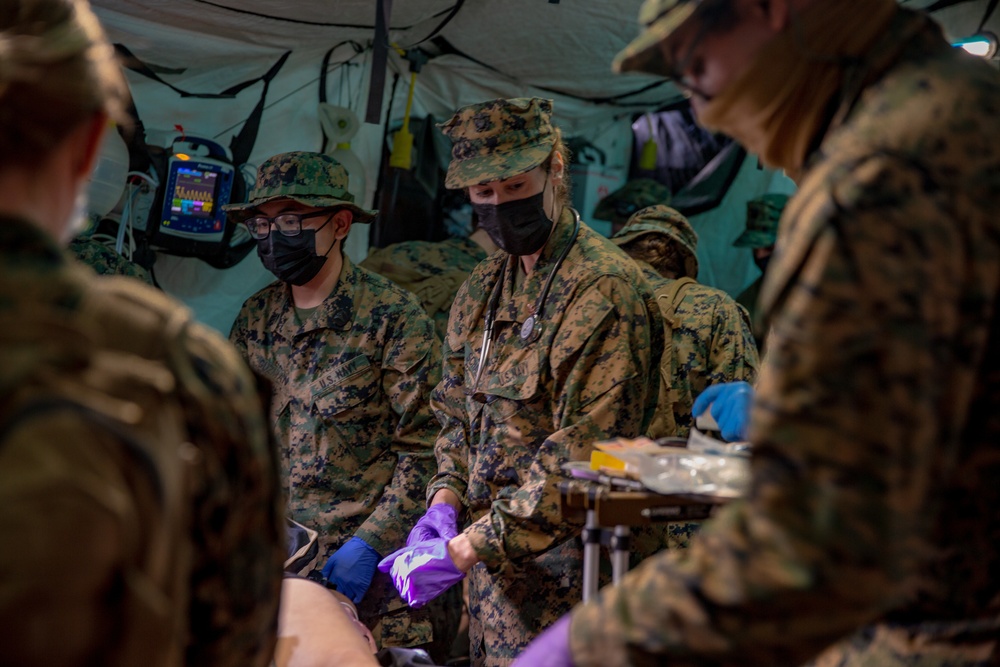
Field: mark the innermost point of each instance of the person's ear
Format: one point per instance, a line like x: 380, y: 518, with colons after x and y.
x: 87, y: 144
x: 341, y: 222
x: 556, y: 168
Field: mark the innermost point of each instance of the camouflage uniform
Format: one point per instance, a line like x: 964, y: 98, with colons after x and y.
x: 761, y: 231
x: 873, y: 512
x: 352, y: 419
x: 711, y: 339
x: 432, y: 271
x: 106, y: 261
x: 89, y: 511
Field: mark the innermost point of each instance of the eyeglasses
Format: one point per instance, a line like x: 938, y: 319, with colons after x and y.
x: 287, y: 224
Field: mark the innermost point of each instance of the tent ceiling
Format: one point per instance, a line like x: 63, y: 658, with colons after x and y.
x: 535, y: 46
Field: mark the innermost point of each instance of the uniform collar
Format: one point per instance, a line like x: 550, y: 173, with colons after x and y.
x: 336, y: 313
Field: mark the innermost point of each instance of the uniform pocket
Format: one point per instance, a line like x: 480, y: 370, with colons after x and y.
x: 350, y: 408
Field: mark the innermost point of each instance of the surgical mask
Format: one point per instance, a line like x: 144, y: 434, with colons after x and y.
x: 292, y: 259
x: 519, y: 227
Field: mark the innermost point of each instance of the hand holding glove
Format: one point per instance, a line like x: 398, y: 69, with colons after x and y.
x: 423, y: 571
x: 351, y: 568
x: 549, y: 649
x: 440, y: 521
x: 730, y: 407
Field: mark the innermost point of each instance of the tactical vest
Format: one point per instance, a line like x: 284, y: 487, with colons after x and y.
x: 121, y: 362
x: 667, y: 298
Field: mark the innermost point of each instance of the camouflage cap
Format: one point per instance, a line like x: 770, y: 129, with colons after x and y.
x: 657, y: 20
x: 626, y: 200
x: 498, y: 139
x: 669, y: 222
x: 763, y: 215
x: 311, y: 179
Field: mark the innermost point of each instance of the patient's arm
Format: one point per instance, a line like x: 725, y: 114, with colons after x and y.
x: 316, y: 628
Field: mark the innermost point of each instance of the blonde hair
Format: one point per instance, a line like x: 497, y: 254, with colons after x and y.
x: 57, y: 70
x: 565, y: 189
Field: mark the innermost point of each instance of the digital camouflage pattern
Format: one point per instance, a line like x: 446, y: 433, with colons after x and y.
x: 587, y: 372
x: 433, y: 271
x: 710, y: 338
x: 140, y: 510
x: 498, y: 139
x: 105, y: 261
x: 352, y: 419
x: 870, y: 533
x: 311, y: 179
x: 711, y: 344
x: 635, y: 195
x: 763, y: 215
x: 664, y: 221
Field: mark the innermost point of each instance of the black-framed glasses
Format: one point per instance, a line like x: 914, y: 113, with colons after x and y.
x: 287, y: 224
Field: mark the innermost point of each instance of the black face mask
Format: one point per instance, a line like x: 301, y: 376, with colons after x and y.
x: 762, y: 263
x: 519, y: 227
x: 292, y: 259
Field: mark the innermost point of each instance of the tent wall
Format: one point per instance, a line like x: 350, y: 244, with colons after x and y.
x: 507, y: 48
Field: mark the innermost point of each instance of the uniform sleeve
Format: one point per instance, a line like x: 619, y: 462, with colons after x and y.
x: 411, y: 368
x: 848, y: 436
x: 68, y: 513
x: 240, y: 331
x: 448, y: 401
x: 732, y: 355
x: 603, y: 384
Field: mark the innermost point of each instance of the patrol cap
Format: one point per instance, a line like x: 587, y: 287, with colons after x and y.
x: 634, y: 195
x: 498, y: 139
x: 311, y: 179
x: 763, y: 215
x: 657, y: 20
x: 663, y: 220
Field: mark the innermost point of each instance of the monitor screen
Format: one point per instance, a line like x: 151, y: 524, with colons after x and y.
x: 195, y: 192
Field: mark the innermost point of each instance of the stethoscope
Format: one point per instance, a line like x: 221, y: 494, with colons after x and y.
x: 528, y: 327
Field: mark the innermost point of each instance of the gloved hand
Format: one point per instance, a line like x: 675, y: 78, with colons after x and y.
x: 423, y: 571
x: 351, y: 567
x: 549, y: 649
x: 730, y: 407
x: 440, y: 520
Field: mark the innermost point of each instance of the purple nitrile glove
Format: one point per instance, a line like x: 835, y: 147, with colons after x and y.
x: 439, y: 520
x: 423, y: 571
x: 351, y: 567
x: 549, y: 649
x: 730, y: 407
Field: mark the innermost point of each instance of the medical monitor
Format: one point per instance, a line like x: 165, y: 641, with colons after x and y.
x: 191, y: 219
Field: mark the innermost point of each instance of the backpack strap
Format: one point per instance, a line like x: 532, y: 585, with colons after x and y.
x: 667, y: 298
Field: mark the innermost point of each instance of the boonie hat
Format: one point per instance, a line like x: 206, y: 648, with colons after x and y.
x: 668, y: 222
x: 311, y: 179
x: 763, y: 215
x: 498, y: 139
x: 657, y: 20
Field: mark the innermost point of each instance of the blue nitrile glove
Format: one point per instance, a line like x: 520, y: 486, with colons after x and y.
x: 549, y: 649
x: 423, y: 571
x: 351, y: 567
x: 440, y: 520
x: 730, y: 403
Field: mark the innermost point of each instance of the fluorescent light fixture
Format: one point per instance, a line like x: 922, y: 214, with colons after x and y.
x: 983, y: 44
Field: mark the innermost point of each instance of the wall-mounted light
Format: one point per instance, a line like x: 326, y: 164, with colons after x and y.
x: 983, y: 44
